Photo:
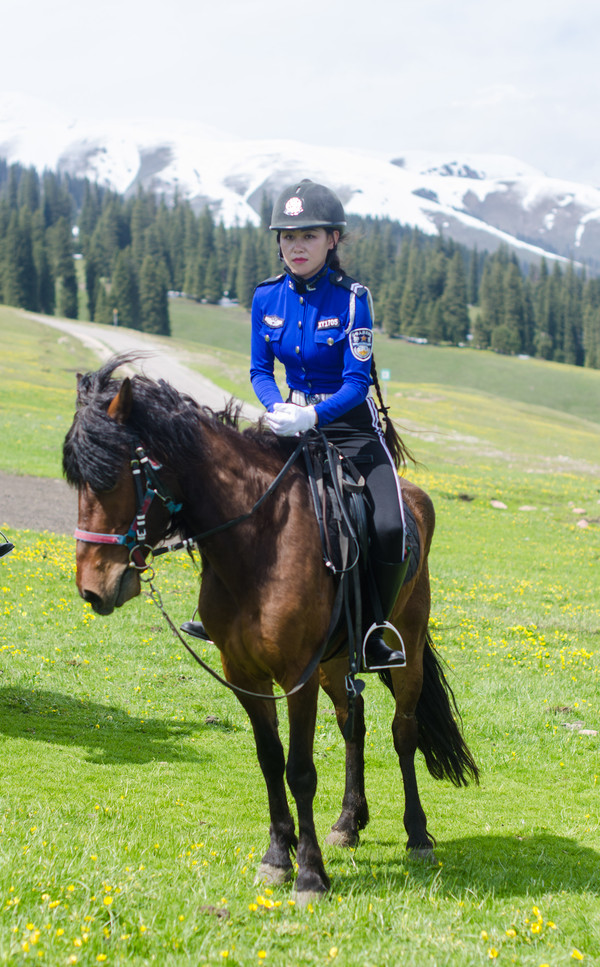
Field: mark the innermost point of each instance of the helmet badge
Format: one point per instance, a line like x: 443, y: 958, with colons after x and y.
x: 293, y: 206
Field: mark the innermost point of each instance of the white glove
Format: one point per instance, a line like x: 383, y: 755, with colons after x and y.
x: 287, y: 419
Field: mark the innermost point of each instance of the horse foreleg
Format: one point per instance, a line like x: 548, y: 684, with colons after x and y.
x: 302, y: 779
x: 355, y: 810
x: 276, y: 865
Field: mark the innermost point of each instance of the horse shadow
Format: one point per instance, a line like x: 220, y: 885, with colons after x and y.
x: 105, y: 733
x: 505, y: 865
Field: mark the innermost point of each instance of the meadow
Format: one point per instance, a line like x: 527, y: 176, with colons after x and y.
x: 132, y: 810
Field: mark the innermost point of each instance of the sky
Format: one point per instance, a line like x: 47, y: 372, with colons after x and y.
x: 516, y: 77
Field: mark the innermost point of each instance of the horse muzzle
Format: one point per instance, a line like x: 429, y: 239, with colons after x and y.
x: 107, y: 589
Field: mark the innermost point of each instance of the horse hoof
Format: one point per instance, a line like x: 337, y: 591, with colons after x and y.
x: 308, y: 896
x: 422, y: 854
x: 341, y: 837
x: 272, y: 875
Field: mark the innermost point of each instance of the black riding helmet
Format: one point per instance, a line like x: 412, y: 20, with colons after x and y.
x: 306, y: 204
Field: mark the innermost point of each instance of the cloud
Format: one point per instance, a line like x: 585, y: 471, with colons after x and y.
x: 508, y: 77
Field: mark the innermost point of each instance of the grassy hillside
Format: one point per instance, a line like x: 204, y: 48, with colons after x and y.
x: 133, y: 810
x: 568, y: 389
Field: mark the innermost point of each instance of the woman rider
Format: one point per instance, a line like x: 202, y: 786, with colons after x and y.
x: 318, y: 323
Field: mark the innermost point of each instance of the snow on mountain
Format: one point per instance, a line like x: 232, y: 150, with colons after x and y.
x: 482, y: 200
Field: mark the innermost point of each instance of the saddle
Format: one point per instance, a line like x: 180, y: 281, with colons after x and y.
x: 338, y: 493
x: 337, y: 490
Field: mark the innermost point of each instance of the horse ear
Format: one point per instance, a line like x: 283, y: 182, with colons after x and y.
x: 120, y: 407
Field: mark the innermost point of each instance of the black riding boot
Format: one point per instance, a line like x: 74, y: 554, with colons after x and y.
x: 197, y: 629
x: 388, y: 579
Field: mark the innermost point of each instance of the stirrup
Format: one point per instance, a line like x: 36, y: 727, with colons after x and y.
x: 7, y: 546
x: 197, y: 629
x: 393, y: 658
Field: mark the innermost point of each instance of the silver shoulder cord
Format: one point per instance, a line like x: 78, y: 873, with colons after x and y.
x: 352, y: 309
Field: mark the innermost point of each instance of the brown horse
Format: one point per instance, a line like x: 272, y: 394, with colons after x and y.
x: 266, y: 597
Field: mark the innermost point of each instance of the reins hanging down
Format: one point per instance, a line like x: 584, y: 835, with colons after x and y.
x: 148, y: 486
x: 307, y: 674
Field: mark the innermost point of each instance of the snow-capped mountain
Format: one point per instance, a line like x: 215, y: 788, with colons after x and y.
x: 481, y: 200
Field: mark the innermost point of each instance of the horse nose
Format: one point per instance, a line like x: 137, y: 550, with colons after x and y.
x: 95, y: 600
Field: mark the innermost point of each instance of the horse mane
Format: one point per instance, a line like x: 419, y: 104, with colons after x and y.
x: 166, y: 422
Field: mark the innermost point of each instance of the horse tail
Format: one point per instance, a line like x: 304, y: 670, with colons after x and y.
x: 446, y: 753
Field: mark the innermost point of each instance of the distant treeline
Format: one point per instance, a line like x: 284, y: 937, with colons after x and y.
x: 72, y: 248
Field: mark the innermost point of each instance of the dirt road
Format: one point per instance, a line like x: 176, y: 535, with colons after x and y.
x: 41, y: 504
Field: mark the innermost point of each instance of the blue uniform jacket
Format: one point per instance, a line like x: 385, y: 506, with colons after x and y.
x: 323, y: 335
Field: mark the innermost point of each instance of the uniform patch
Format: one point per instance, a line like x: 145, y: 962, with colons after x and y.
x: 274, y: 322
x: 293, y: 206
x: 361, y: 344
x: 333, y: 323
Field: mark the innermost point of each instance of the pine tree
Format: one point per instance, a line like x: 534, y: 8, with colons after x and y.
x: 57, y: 203
x: 89, y: 215
x: 29, y: 190
x: 46, y: 295
x: 61, y: 244
x: 411, y: 294
x: 93, y: 275
x: 247, y: 276
x: 591, y: 324
x: 176, y: 243
x: 572, y: 320
x: 142, y: 217
x: 190, y: 247
x: 436, y: 322
x: 154, y: 303
x: 491, y: 301
x: 213, y: 289
x: 234, y: 259
x: 103, y: 309
x: 453, y: 302
x: 513, y: 324
x: 550, y: 324
x: 19, y: 282
x: 111, y: 233
x: 125, y: 291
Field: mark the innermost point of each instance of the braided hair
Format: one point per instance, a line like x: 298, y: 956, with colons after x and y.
x: 394, y: 442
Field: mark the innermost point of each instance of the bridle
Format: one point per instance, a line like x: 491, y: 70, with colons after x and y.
x: 148, y: 487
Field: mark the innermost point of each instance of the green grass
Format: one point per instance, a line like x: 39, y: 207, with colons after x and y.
x: 38, y: 368
x: 132, y: 811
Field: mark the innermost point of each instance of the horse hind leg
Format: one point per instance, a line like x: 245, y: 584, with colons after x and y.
x: 406, y: 685
x: 405, y: 732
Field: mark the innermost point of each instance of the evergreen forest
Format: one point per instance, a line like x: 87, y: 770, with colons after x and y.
x: 71, y: 248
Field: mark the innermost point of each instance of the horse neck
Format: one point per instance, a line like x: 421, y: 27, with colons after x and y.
x: 228, y: 477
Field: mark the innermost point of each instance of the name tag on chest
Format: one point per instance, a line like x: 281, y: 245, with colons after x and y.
x: 333, y: 323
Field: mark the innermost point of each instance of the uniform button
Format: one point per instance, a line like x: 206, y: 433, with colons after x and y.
x: 330, y: 341
x: 298, y: 350
x: 267, y: 338
x: 301, y: 300
x: 299, y: 324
